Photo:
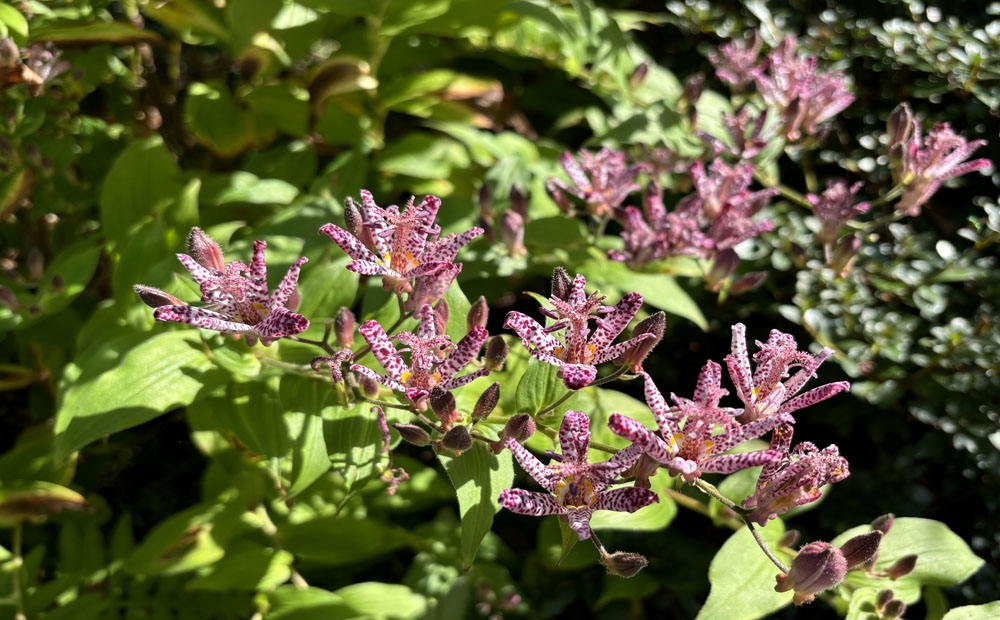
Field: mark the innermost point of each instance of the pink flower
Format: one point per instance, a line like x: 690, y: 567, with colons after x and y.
x: 835, y: 207
x: 762, y: 391
x: 236, y: 296
x: 398, y: 246
x: 602, y: 181
x: 735, y: 60
x: 434, y: 361
x: 690, y: 443
x: 579, y: 352
x: 576, y: 488
x: 929, y: 162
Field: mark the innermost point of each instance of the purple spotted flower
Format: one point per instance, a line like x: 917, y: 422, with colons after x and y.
x: 794, y: 479
x: 236, y: 296
x: 735, y: 60
x: 654, y: 233
x: 763, y: 391
x: 434, y: 361
x: 579, y: 351
x: 835, y: 206
x: 602, y: 181
x: 576, y: 488
x: 696, y: 433
x: 397, y: 245
x: 926, y: 163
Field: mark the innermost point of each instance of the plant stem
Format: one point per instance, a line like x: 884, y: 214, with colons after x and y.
x: 763, y: 546
x: 18, y: 562
x: 617, y: 373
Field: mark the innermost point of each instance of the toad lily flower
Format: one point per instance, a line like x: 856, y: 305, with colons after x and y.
x: 697, y: 432
x: 397, y: 245
x: 602, y: 180
x: 236, y: 294
x: 576, y: 488
x: 762, y: 391
x: 431, y: 363
x: 580, y: 350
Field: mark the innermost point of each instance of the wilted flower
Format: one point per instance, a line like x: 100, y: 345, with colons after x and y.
x: 434, y: 361
x: 576, y: 487
x: 602, y: 180
x: 691, y: 443
x: 804, y: 96
x: 580, y: 351
x: 236, y: 295
x: 762, y: 391
x: 398, y: 246
x: 926, y: 163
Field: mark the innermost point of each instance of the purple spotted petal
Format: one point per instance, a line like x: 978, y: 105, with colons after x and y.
x: 625, y: 499
x: 530, y: 463
x: 382, y: 349
x: 529, y: 503
x: 574, y: 437
x: 577, y: 376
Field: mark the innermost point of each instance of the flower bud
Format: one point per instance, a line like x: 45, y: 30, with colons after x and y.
x: 818, y: 566
x: 487, y: 402
x: 862, y: 549
x: 9, y: 299
x: 205, y: 251
x: 845, y: 253
x: 154, y: 297
x: 884, y: 523
x: 722, y: 267
x: 486, y: 202
x: 561, y: 284
x: 478, y: 315
x: 343, y: 327
x: 747, y: 282
x: 519, y: 427
x: 688, y: 101
x: 882, y: 599
x: 902, y: 567
x: 893, y: 609
x: 559, y: 197
x: 496, y: 353
x: 457, y: 439
x: 511, y: 228
x: 638, y: 74
x: 519, y: 202
x: 353, y: 220
x: 35, y: 263
x: 623, y: 564
x: 634, y: 357
x: 412, y: 433
x: 444, y: 407
x: 899, y: 125
x: 441, y: 316
x: 369, y: 387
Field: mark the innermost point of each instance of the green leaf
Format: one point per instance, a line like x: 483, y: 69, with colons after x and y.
x: 13, y: 24
x: 294, y: 603
x: 539, y: 387
x: 335, y: 541
x: 989, y: 611
x: 649, y: 519
x: 862, y: 604
x: 943, y: 558
x: 183, y: 542
x: 743, y: 578
x: 122, y: 383
x: 422, y: 156
x: 354, y: 441
x: 254, y: 568
x: 302, y: 400
x: 216, y: 121
x: 35, y: 500
x: 402, y: 15
x: 478, y: 478
x: 94, y: 33
x: 244, y: 187
x: 372, y: 600
x: 142, y: 179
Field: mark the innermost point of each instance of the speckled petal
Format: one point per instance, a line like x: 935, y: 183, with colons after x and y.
x: 606, y: 354
x: 617, y: 320
x: 642, y: 437
x: 349, y: 243
x: 200, y: 317
x: 729, y: 463
x: 446, y: 249
x: 465, y: 351
x: 257, y: 272
x: 281, y: 322
x: 625, y: 499
x: 530, y: 464
x: 532, y: 334
x: 814, y: 396
x: 287, y: 286
x: 579, y: 521
x: 383, y: 350
x: 738, y: 363
x: 456, y: 382
x: 388, y: 382
x: 577, y: 376
x: 574, y: 437
x: 531, y: 503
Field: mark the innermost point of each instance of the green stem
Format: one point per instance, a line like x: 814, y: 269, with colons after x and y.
x: 617, y: 373
x: 763, y: 546
x: 18, y: 562
x: 710, y: 490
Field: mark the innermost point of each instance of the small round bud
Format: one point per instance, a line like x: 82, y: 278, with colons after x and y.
x: 818, y: 566
x: 748, y: 282
x: 559, y: 197
x: 882, y: 598
x: 862, y: 549
x: 205, y: 251
x: 623, y: 564
x: 457, y: 439
x: 638, y: 74
x: 444, y: 407
x: 478, y: 315
x: 412, y: 433
x: 893, y: 609
x: 369, y: 387
x: 487, y: 402
x: 154, y: 297
x: 519, y: 427
x: 496, y: 353
x: 561, y: 283
x: 902, y: 567
x: 343, y: 327
x: 884, y: 523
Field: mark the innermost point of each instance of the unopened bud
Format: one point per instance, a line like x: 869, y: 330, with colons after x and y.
x: 9, y: 299
x: 511, y: 229
x: 353, y: 220
x: 496, y: 353
x: 154, y: 297
x: 747, y: 282
x: 487, y: 402
x: 519, y: 202
x: 35, y: 262
x: 457, y: 439
x: 205, y: 251
x: 478, y: 315
x: 343, y: 327
x: 902, y: 567
x: 724, y: 265
x: 634, y: 356
x: 443, y: 405
x: 623, y: 564
x: 862, y: 549
x: 486, y: 202
x: 893, y: 609
x: 412, y: 433
x: 441, y: 316
x: 818, y: 566
x: 519, y: 427
x: 639, y: 74
x: 561, y: 284
x: 899, y: 126
x: 369, y: 387
x: 559, y: 197
x: 790, y: 118
x: 10, y: 55
x: 882, y: 599
x: 884, y: 523
x: 688, y: 101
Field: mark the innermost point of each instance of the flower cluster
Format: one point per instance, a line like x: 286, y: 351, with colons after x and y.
x: 602, y: 181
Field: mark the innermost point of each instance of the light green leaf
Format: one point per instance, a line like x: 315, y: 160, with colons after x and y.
x: 122, y: 383
x: 943, y: 558
x: 334, y: 541
x: 422, y: 156
x: 13, y: 24
x: 244, y: 187
x: 354, y: 442
x: 649, y: 519
x: 478, y: 478
x: 294, y: 603
x: 658, y: 290
x: 402, y: 15
x: 539, y: 387
x: 91, y: 33
x: 255, y: 568
x: 383, y: 600
x: 743, y: 578
x: 862, y: 605
x: 35, y: 500
x: 216, y: 121
x: 184, y: 542
x: 989, y: 611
